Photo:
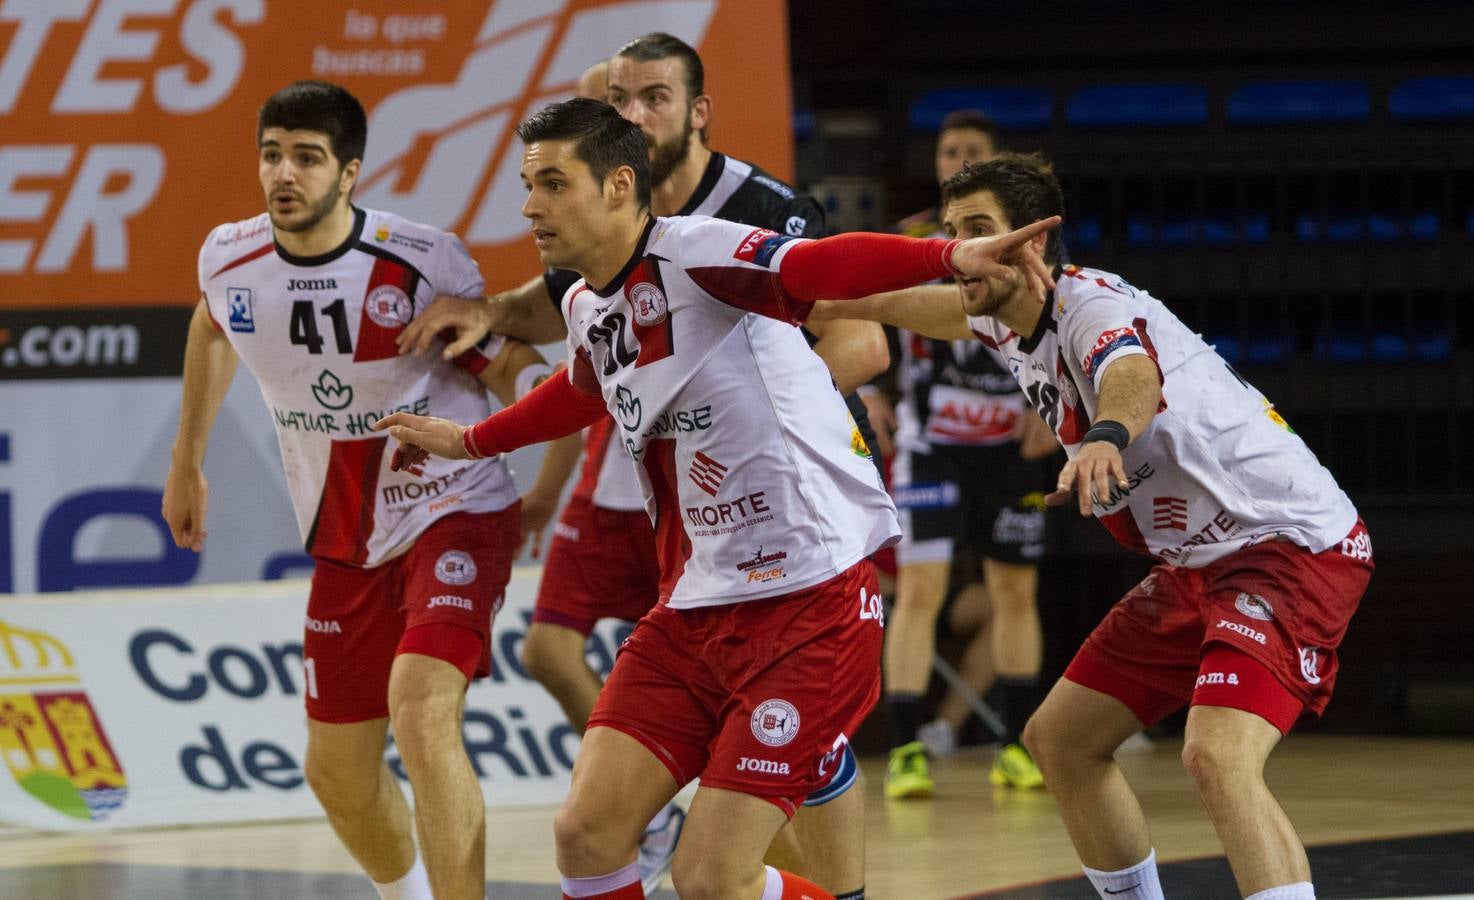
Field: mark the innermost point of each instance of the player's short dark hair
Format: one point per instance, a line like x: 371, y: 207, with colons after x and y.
x: 659, y: 45
x: 318, y: 106
x: 959, y: 119
x: 603, y: 138
x: 1024, y: 185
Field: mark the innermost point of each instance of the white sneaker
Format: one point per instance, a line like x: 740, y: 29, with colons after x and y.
x: 658, y: 847
x: 938, y: 737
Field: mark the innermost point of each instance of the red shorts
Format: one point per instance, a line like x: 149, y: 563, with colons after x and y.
x: 601, y: 565
x: 1275, y: 602
x: 757, y: 697
x: 455, y: 573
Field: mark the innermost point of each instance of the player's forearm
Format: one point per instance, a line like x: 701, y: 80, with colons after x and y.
x: 209, y: 365
x: 1130, y: 393
x: 551, y: 410
x: 527, y: 313
x: 930, y: 310
x: 854, y: 351
x: 851, y: 266
x: 559, y: 462
x: 516, y: 369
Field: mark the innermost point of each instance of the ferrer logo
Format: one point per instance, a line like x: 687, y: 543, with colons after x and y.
x: 52, y: 740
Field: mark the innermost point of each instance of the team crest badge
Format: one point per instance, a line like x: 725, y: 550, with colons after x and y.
x: 775, y: 722
x: 389, y: 306
x: 455, y: 567
x: 51, y: 738
x: 649, y: 304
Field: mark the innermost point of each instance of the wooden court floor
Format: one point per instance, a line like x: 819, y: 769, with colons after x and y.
x: 1385, y: 818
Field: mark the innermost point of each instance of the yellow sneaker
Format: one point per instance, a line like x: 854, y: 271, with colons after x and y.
x: 906, y: 776
x: 1014, y: 767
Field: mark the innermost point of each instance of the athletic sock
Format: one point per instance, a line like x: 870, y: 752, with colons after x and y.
x: 415, y: 885
x: 621, y: 885
x: 852, y: 895
x: 1019, y: 697
x: 905, y: 717
x: 788, y: 886
x: 1139, y: 882
x: 1300, y: 890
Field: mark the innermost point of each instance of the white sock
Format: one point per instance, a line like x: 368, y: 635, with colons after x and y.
x: 1136, y: 883
x: 773, y: 890
x: 1300, y: 890
x: 415, y: 885
x: 596, y: 885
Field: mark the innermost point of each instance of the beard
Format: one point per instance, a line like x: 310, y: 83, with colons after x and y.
x: 983, y: 299
x: 665, y: 157
x: 311, y: 215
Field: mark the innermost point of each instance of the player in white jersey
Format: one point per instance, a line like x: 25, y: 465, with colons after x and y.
x: 410, y: 564
x: 601, y: 562
x: 765, y: 653
x: 1263, y: 558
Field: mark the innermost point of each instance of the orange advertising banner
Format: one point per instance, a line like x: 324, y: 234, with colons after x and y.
x: 127, y: 127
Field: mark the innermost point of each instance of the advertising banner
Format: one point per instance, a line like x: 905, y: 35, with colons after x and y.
x: 180, y: 706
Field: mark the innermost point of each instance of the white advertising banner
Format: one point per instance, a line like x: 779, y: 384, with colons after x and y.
x: 178, y: 706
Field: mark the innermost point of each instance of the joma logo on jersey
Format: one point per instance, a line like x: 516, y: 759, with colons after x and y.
x: 451, y: 600
x: 51, y: 738
x: 1239, y: 628
x: 763, y: 766
x: 322, y: 626
x: 312, y: 284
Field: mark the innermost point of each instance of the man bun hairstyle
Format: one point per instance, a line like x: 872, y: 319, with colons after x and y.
x: 603, y: 138
x: 1024, y: 185
x: 318, y: 106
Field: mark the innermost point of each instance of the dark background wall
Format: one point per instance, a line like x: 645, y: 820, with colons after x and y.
x: 1319, y: 231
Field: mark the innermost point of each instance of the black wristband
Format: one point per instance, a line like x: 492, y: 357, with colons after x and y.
x: 1110, y: 431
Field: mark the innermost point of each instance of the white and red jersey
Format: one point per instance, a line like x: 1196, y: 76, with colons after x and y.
x: 1217, y: 470
x: 750, y: 465
x: 318, y: 333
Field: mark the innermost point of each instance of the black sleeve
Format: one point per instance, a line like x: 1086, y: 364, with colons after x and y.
x: 803, y: 217
x: 558, y: 282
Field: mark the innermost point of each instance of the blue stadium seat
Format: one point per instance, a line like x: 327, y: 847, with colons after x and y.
x: 1281, y: 102
x: 1138, y: 105
x: 1230, y: 348
x: 1010, y: 108
x: 1432, y: 346
x: 1082, y: 233
x: 1436, y: 99
x: 805, y: 123
x: 1211, y: 231
x: 1267, y: 348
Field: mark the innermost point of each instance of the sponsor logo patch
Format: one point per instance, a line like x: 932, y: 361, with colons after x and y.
x: 1310, y: 664
x: 455, y: 567
x: 706, y: 473
x: 1109, y: 342
x: 451, y: 600
x: 1240, y: 628
x: 322, y: 626
x: 775, y: 722
x: 1218, y: 678
x: 242, y: 311
x: 1169, y: 512
x: 763, y: 766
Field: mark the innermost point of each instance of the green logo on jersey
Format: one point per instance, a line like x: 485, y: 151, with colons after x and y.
x: 331, y: 392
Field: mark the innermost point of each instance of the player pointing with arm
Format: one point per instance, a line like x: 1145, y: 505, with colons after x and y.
x: 410, y: 564
x: 1263, y: 558
x: 772, y: 497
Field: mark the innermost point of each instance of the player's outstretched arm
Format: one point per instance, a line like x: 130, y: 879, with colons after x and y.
x: 553, y: 409
x: 525, y: 313
x: 209, y: 365
x: 930, y: 310
x: 855, y: 351
x: 1130, y: 395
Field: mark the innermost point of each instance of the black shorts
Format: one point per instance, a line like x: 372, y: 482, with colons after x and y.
x: 986, y: 498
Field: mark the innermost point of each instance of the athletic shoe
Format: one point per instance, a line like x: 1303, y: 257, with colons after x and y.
x: 1014, y: 767
x: 938, y: 737
x: 906, y: 776
x: 658, y: 848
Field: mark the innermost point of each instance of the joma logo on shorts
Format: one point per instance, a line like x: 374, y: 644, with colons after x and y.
x: 1218, y: 678
x: 765, y: 766
x: 323, y: 626
x: 451, y: 600
x: 1246, y: 631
